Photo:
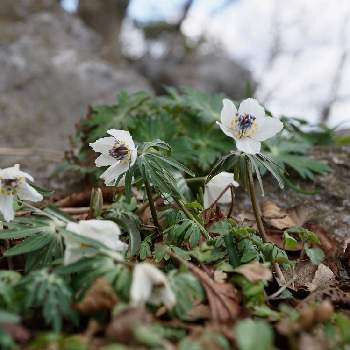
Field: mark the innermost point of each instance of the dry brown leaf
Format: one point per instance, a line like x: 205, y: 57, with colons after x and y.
x: 123, y: 324
x: 100, y: 296
x: 223, y: 297
x: 303, y: 274
x: 16, y: 331
x: 309, y: 342
x: 220, y: 276
x: 198, y: 312
x: 255, y: 272
x: 323, y: 277
x: 284, y: 218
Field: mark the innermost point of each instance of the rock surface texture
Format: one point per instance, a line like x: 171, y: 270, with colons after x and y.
x: 329, y: 207
x: 50, y: 72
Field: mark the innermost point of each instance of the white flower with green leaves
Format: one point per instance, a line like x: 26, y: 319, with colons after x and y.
x: 13, y: 185
x: 248, y: 125
x: 150, y: 285
x: 215, y: 186
x: 103, y: 231
x: 118, y: 151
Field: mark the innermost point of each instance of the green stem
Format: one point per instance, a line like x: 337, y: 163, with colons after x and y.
x: 152, y: 206
x: 255, y: 204
x: 196, y: 179
x: 259, y: 221
x: 7, y: 246
x: 192, y: 217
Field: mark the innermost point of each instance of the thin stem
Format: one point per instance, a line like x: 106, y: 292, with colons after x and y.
x: 152, y: 206
x: 196, y: 179
x: 219, y: 196
x: 232, y: 201
x: 192, y: 217
x: 7, y: 246
x: 255, y: 204
x: 258, y: 219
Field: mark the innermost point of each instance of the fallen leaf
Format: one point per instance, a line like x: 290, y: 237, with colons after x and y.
x: 223, y: 297
x: 255, y: 272
x: 212, y: 215
x: 281, y: 218
x: 16, y: 331
x: 123, y: 324
x: 303, y: 274
x: 198, y: 312
x: 100, y: 296
x: 323, y: 277
x: 220, y: 276
x: 313, y: 342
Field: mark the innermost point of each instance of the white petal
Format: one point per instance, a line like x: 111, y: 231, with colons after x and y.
x: 103, y: 145
x: 72, y: 255
x: 168, y: 297
x: 228, y: 112
x: 141, y: 288
x: 248, y: 145
x: 267, y: 127
x: 112, y: 173
x: 251, y: 106
x: 6, y: 207
x: 14, y: 172
x: 104, y: 160
x: 119, y: 134
x: 228, y: 132
x: 103, y: 231
x: 149, y: 284
x: 215, y: 186
x: 133, y: 157
x: 28, y: 193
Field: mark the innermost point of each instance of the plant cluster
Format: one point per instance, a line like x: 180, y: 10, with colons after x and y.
x: 162, y: 265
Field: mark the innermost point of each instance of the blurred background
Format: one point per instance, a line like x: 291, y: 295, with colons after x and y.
x: 60, y: 56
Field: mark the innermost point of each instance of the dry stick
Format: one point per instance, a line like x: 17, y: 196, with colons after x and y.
x: 259, y: 222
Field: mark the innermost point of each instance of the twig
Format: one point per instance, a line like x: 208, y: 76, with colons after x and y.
x: 80, y: 210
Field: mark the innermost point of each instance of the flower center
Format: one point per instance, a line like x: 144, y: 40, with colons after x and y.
x: 9, y: 186
x: 244, y: 125
x: 120, y: 151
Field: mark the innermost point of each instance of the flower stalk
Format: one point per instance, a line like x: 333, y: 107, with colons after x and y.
x: 152, y: 206
x: 259, y: 222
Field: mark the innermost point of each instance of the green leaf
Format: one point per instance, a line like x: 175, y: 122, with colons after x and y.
x: 289, y: 242
x: 30, y: 244
x: 233, y: 255
x: 316, y: 255
x: 253, y: 335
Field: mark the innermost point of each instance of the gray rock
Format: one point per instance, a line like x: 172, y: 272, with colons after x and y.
x: 50, y: 73
x: 209, y: 72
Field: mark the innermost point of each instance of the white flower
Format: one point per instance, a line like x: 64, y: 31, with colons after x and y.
x: 103, y: 231
x: 249, y: 125
x: 215, y: 186
x: 149, y: 284
x: 13, y: 184
x: 118, y: 151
